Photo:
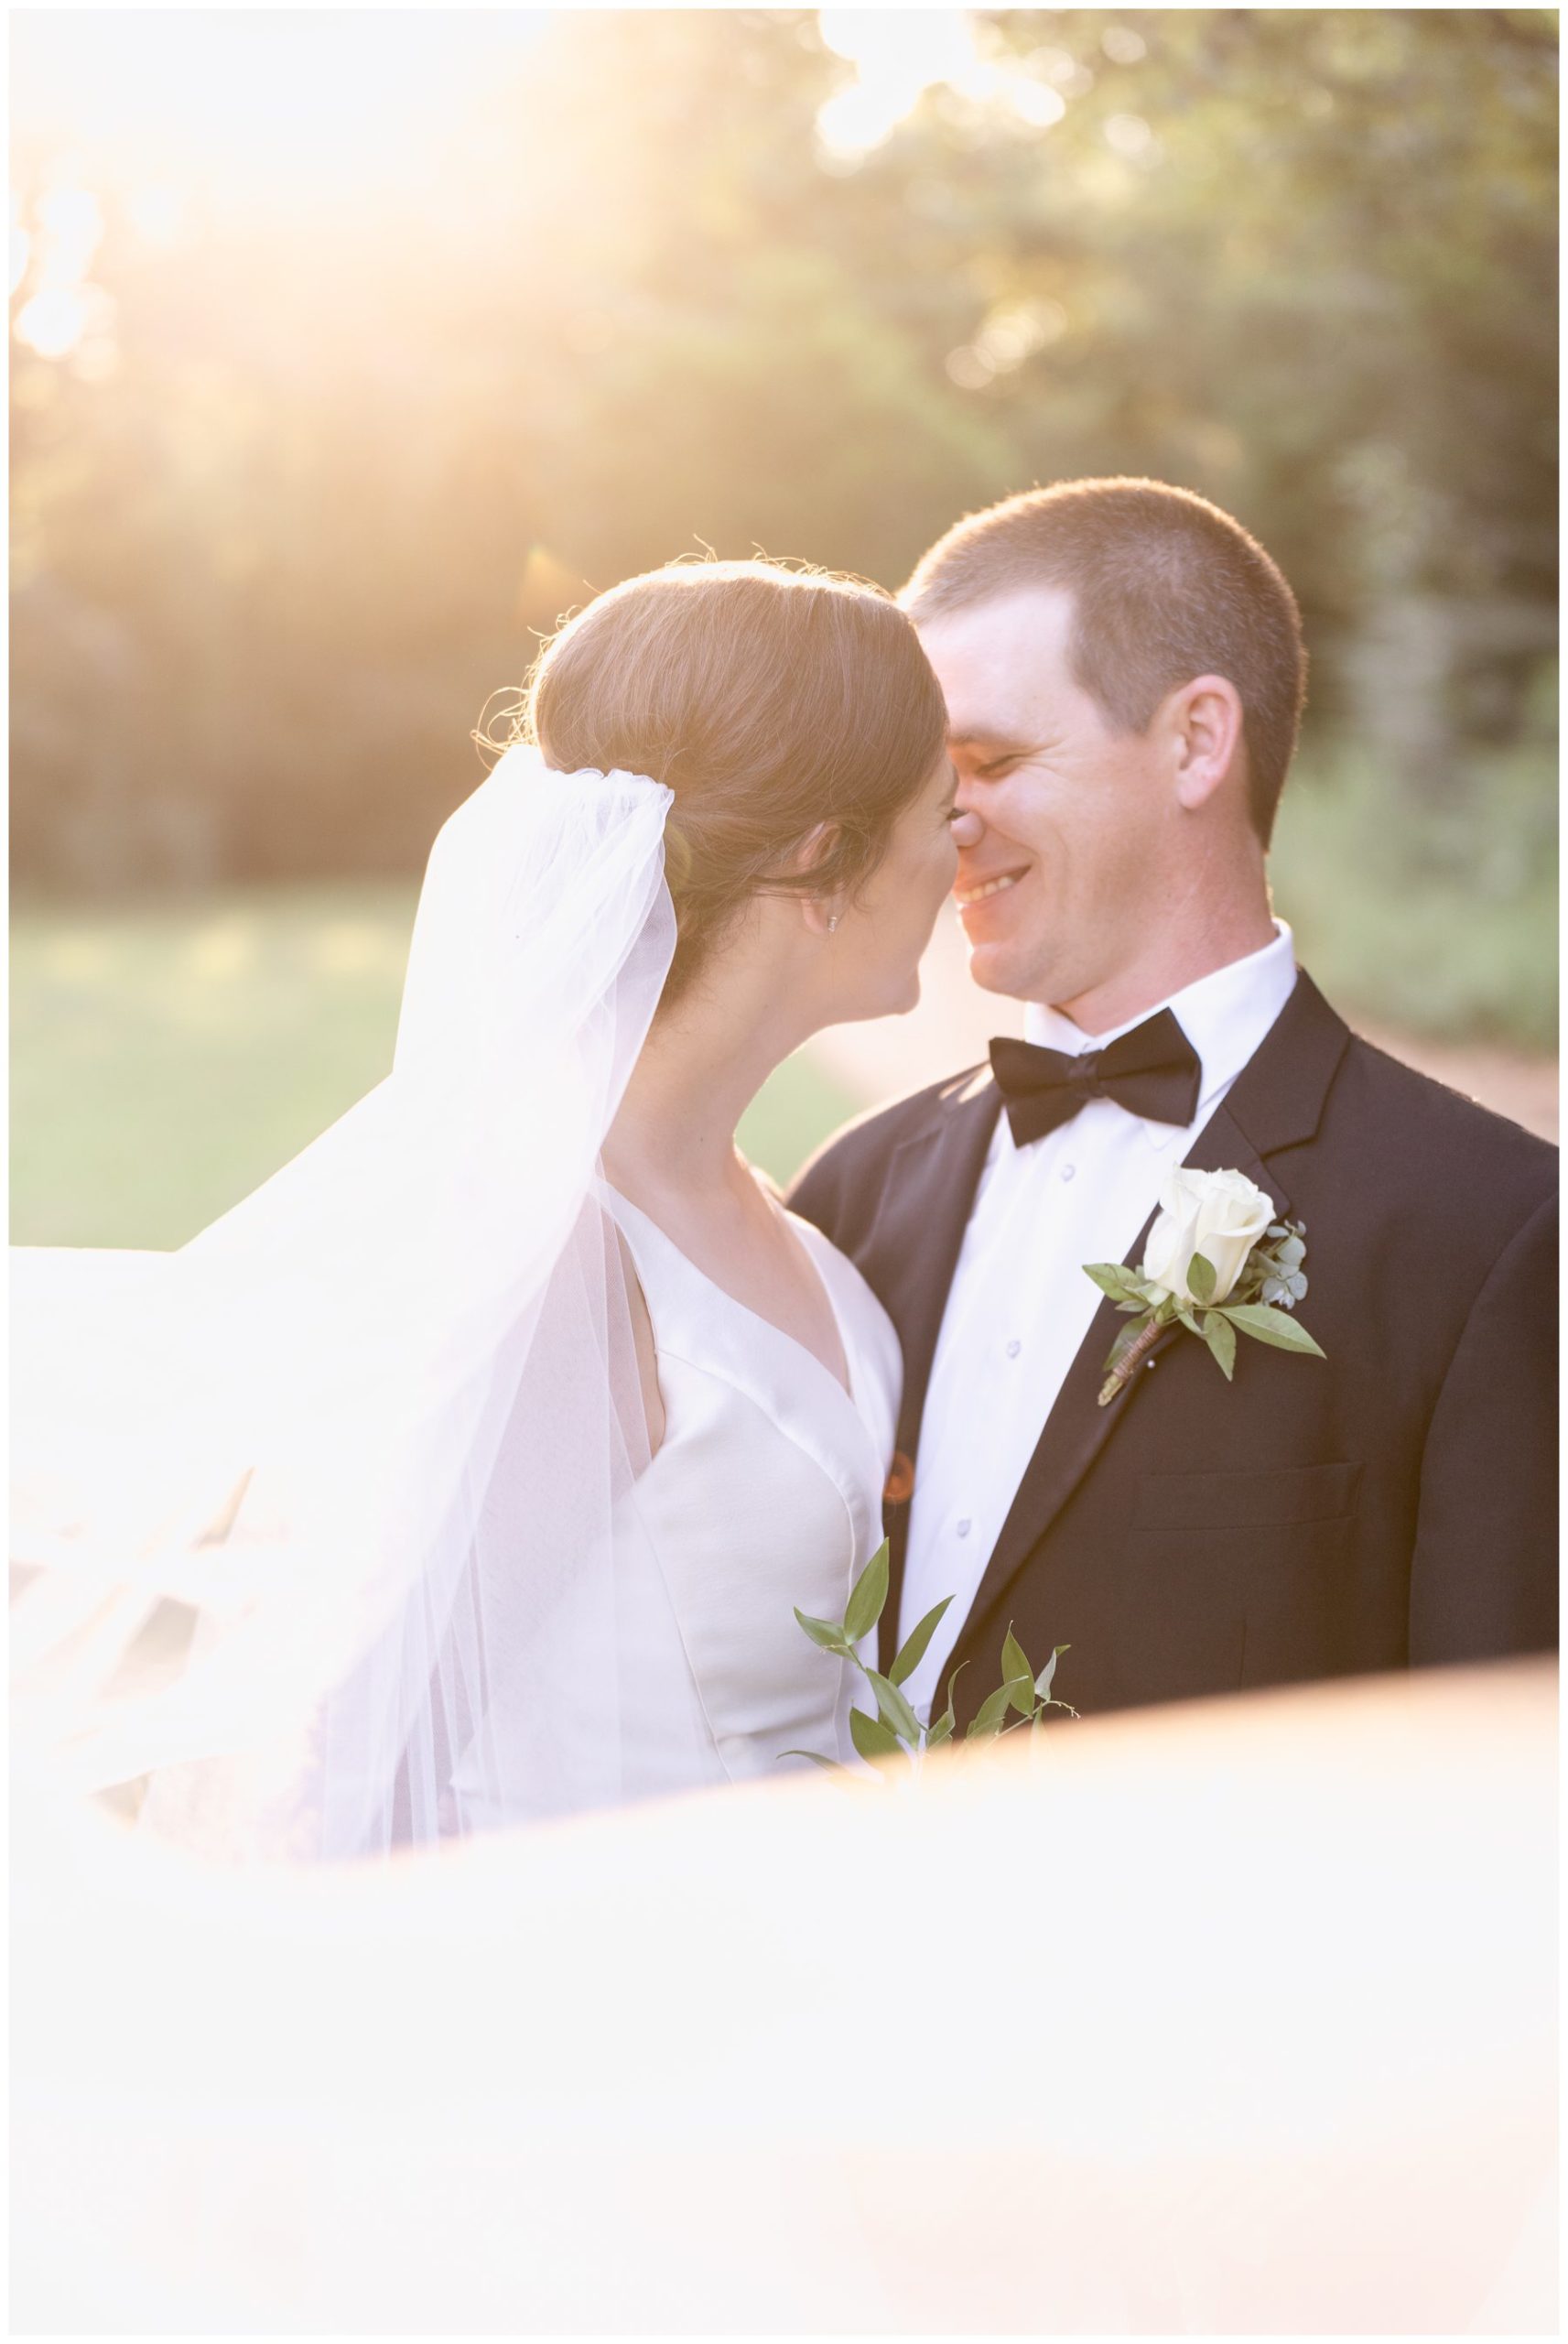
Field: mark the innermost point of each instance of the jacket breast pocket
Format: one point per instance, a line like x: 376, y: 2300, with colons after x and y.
x: 1254, y: 1501
x: 1297, y: 1514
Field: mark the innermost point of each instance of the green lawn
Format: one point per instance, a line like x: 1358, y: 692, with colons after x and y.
x: 166, y: 1058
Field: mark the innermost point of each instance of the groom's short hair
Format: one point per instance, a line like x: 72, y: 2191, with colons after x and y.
x: 1165, y: 586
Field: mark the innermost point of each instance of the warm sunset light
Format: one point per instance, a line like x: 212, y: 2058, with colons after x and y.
x: 783, y: 991
x: 899, y: 54
x: 266, y: 105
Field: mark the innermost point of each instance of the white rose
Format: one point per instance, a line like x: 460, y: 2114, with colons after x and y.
x: 1217, y: 1214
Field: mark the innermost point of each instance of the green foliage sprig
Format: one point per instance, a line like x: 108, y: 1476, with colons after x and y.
x: 893, y: 1731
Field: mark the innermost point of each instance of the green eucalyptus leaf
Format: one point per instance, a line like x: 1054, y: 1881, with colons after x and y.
x: 868, y: 1597
x: 987, y: 1718
x: 1014, y: 1659
x: 1270, y: 1326
x: 1201, y: 1277
x: 895, y: 1710
x: 1220, y: 1335
x: 915, y: 1644
x: 1018, y: 1677
x: 871, y: 1738
x: 943, y: 1727
x: 1043, y: 1682
x: 1112, y: 1278
x: 823, y: 1633
x: 831, y: 1764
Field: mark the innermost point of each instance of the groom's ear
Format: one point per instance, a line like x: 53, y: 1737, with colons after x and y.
x: 1203, y: 724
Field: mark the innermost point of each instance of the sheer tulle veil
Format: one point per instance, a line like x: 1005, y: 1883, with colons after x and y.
x: 309, y: 1512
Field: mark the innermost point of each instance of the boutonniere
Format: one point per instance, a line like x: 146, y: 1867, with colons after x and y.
x: 1218, y: 1263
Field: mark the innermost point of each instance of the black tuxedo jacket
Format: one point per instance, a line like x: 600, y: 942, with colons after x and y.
x: 1391, y: 1505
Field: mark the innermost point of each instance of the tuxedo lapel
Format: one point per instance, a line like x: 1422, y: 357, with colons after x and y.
x: 910, y: 1257
x: 1275, y: 1103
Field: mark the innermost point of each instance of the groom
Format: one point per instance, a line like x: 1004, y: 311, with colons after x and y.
x: 1124, y: 674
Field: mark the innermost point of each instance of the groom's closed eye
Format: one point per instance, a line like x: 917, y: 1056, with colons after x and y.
x: 996, y: 763
x: 989, y: 756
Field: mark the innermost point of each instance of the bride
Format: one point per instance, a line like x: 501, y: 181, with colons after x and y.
x: 471, y: 1470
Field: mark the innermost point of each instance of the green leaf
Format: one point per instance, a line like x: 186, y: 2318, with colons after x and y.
x: 1188, y: 1321
x: 915, y: 1644
x: 1114, y: 1278
x: 871, y: 1738
x: 942, y: 1728
x: 1271, y: 1326
x: 823, y: 1633
x: 869, y: 1595
x: 1017, y: 1674
x: 895, y: 1710
x: 1043, y: 1682
x: 831, y: 1764
x: 987, y: 1718
x: 1201, y: 1277
x: 1220, y: 1337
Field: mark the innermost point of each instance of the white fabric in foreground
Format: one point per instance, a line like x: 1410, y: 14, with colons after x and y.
x: 1233, y: 2018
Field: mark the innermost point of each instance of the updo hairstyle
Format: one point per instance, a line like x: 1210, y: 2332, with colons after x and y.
x: 769, y: 699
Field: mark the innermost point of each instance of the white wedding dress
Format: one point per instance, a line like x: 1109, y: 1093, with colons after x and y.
x: 343, y: 1531
x: 764, y: 1494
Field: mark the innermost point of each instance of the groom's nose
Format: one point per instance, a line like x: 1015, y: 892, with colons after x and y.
x: 968, y: 828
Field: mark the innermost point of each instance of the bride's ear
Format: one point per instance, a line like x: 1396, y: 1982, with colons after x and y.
x: 820, y: 913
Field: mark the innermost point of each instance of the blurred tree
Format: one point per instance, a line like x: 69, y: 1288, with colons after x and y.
x: 312, y: 485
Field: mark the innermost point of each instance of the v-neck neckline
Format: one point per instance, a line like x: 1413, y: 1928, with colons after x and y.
x: 849, y: 1391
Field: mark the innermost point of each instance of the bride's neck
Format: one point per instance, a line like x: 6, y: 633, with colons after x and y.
x: 702, y: 1065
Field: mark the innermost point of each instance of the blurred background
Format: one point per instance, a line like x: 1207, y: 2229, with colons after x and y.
x: 350, y: 350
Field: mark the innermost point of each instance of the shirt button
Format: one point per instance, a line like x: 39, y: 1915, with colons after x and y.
x: 1013, y: 1349
x: 965, y: 1528
x: 1068, y: 1170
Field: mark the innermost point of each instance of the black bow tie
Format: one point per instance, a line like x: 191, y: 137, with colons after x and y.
x: 1152, y: 1071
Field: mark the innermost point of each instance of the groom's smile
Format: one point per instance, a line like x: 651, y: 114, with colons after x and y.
x: 970, y: 891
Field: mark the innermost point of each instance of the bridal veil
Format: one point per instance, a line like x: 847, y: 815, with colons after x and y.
x: 307, y: 1512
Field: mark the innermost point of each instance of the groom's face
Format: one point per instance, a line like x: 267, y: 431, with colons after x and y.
x: 1065, y: 830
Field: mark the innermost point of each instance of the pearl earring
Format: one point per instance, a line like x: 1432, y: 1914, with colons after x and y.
x: 832, y: 922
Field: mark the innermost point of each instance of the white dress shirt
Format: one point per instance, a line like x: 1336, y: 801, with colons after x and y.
x: 1019, y: 1304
